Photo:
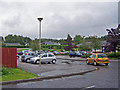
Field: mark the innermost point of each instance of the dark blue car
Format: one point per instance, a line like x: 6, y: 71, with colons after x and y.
x: 75, y: 54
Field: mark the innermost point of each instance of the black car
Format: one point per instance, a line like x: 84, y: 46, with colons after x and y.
x: 75, y: 54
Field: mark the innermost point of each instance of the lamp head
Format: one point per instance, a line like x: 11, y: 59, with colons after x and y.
x: 40, y: 19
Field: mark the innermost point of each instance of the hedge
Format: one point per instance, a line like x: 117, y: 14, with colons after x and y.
x: 85, y: 56
x: 17, y: 46
x: 54, y: 46
x: 42, y: 46
x: 114, y: 55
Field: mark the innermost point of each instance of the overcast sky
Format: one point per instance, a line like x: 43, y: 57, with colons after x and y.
x: 59, y: 18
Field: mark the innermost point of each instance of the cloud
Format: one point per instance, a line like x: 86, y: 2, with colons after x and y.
x: 59, y: 18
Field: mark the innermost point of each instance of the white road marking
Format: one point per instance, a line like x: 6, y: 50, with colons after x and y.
x: 91, y: 86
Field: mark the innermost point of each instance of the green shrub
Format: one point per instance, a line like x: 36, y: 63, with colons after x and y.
x: 17, y: 46
x: 4, y: 71
x: 114, y: 55
x: 85, y: 56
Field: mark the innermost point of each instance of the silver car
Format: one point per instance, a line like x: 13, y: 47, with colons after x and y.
x: 46, y: 57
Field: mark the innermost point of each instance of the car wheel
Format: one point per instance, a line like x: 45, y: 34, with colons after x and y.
x: 27, y: 60
x: 95, y: 63
x: 106, y: 64
x: 37, y: 61
x: 53, y: 61
x: 87, y: 62
x: 48, y: 62
x: 70, y: 56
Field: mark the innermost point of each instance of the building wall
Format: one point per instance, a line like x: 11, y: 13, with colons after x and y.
x: 8, y: 57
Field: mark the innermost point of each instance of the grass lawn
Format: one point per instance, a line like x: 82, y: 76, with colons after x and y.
x: 9, y: 74
x: 114, y: 59
x: 20, y: 50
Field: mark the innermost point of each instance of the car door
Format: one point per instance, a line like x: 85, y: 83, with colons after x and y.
x: 50, y: 57
x: 93, y: 58
x: 90, y: 59
x: 44, y: 58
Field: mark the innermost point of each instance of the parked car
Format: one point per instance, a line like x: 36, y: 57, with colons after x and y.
x: 26, y: 58
x: 25, y: 51
x: 55, y: 52
x: 98, y: 59
x: 83, y: 52
x: 17, y: 55
x: 46, y: 57
x: 75, y: 54
x: 78, y: 54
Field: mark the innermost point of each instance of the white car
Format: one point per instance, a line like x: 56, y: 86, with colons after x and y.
x: 46, y: 57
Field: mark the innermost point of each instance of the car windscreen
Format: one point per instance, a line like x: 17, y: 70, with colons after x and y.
x: 23, y: 56
x: 102, y: 56
x: 36, y: 55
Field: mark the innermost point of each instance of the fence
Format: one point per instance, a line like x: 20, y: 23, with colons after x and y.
x: 8, y: 57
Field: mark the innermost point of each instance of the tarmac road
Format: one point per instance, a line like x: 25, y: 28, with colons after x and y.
x: 105, y: 77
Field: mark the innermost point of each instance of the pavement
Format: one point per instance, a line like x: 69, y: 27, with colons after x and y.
x: 63, y: 68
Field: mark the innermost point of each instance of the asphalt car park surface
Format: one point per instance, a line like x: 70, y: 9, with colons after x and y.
x: 61, y: 67
x: 105, y: 77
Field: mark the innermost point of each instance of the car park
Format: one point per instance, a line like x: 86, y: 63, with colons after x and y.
x: 46, y: 57
x: 98, y: 58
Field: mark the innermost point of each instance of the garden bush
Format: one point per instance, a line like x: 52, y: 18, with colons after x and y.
x: 85, y: 55
x: 16, y: 46
x: 114, y: 55
x: 4, y: 71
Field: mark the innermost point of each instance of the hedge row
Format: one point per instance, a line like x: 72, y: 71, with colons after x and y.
x: 43, y: 46
x: 54, y: 46
x: 17, y: 46
x: 114, y: 55
x: 85, y: 56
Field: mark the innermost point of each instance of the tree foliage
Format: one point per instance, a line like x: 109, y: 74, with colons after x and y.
x: 69, y: 43
x: 113, y: 39
x: 34, y: 45
x: 78, y: 39
x: 96, y: 44
x: 17, y: 39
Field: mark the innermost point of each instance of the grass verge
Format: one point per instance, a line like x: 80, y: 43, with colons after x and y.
x: 10, y: 74
x: 114, y: 59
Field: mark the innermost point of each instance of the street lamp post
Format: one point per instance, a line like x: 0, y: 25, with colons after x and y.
x: 40, y: 19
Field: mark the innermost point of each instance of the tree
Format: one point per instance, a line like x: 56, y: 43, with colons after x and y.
x: 78, y: 39
x: 69, y: 43
x: 96, y: 44
x: 34, y: 45
x: 17, y: 39
x: 84, y: 47
x: 113, y: 39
